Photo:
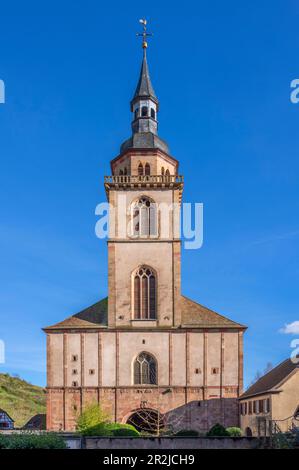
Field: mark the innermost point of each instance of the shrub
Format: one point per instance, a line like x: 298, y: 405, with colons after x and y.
x: 126, y: 430
x: 111, y: 429
x: 187, y: 433
x: 29, y: 440
x: 91, y: 416
x: 3, y: 441
x: 234, y: 431
x: 217, y: 431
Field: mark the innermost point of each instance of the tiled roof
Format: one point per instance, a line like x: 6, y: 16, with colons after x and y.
x: 5, y: 412
x: 94, y: 316
x: 194, y: 315
x: 272, y: 379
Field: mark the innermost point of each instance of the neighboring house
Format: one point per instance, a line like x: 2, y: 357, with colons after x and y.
x: 271, y: 403
x: 37, y: 422
x: 148, y: 350
x: 6, y: 422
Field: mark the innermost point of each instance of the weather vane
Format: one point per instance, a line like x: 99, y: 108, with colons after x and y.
x: 144, y: 33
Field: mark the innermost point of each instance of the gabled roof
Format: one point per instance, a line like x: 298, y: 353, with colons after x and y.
x: 197, y: 316
x: 194, y: 315
x: 95, y: 316
x: 5, y: 412
x: 36, y: 422
x: 271, y: 381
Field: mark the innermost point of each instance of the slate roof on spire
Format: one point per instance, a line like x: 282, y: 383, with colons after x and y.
x: 144, y: 87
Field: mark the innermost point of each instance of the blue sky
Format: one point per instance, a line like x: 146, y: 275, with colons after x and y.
x: 222, y: 72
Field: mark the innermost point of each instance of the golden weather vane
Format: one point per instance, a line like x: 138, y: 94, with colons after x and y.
x: 144, y: 33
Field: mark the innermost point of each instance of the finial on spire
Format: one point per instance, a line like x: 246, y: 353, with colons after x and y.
x: 144, y: 33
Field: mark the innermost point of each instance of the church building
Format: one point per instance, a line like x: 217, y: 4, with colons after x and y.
x: 146, y: 354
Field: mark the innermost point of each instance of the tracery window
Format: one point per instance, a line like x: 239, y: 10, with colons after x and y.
x: 144, y: 218
x: 145, y: 369
x: 144, y: 293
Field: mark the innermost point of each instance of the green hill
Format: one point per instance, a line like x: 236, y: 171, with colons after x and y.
x: 20, y: 399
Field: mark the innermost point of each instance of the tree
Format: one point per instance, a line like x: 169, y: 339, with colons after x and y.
x: 91, y: 416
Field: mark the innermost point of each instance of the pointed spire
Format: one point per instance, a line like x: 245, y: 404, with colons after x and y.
x: 144, y: 89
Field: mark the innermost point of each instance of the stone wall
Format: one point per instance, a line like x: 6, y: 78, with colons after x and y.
x: 164, y: 443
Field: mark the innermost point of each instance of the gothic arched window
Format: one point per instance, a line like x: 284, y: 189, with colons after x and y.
x: 140, y: 169
x: 162, y: 171
x: 147, y: 169
x: 145, y: 369
x: 144, y: 218
x: 167, y: 172
x: 144, y: 111
x: 153, y: 114
x: 144, y: 288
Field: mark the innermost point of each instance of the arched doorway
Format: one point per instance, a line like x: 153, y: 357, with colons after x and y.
x: 147, y: 420
x: 248, y: 432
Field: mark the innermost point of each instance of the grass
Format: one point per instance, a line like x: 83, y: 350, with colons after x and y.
x: 20, y: 399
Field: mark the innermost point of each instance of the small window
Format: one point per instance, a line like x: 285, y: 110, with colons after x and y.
x: 74, y: 384
x: 255, y: 406
x: 125, y: 171
x: 162, y: 170
x: 261, y: 406
x: 215, y: 370
x: 136, y: 113
x: 144, y: 111
x: 75, y: 407
x: 167, y: 173
x: 121, y: 172
x: 147, y: 169
x: 197, y: 370
x: 153, y: 114
x: 143, y: 341
x: 74, y: 357
x: 250, y: 408
x: 140, y: 169
x: 74, y: 372
x: 91, y: 371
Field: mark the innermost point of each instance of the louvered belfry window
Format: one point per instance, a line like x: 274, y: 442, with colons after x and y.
x: 144, y: 294
x: 144, y: 218
x: 145, y: 369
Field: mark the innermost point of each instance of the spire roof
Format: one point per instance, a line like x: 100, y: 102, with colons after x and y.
x: 144, y: 87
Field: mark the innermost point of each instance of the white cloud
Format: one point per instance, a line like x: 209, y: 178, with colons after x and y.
x: 291, y: 328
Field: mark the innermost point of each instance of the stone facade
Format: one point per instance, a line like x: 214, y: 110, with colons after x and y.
x: 198, y: 354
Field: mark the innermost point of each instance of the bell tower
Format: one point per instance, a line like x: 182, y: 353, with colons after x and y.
x: 144, y: 247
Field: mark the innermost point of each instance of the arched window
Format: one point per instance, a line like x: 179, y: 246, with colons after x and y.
x: 140, y: 169
x: 136, y: 113
x: 144, y: 218
x: 125, y: 171
x: 121, y: 172
x: 147, y: 169
x: 144, y: 288
x: 162, y: 171
x: 145, y: 369
x: 144, y: 111
x: 167, y: 172
x: 153, y: 114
